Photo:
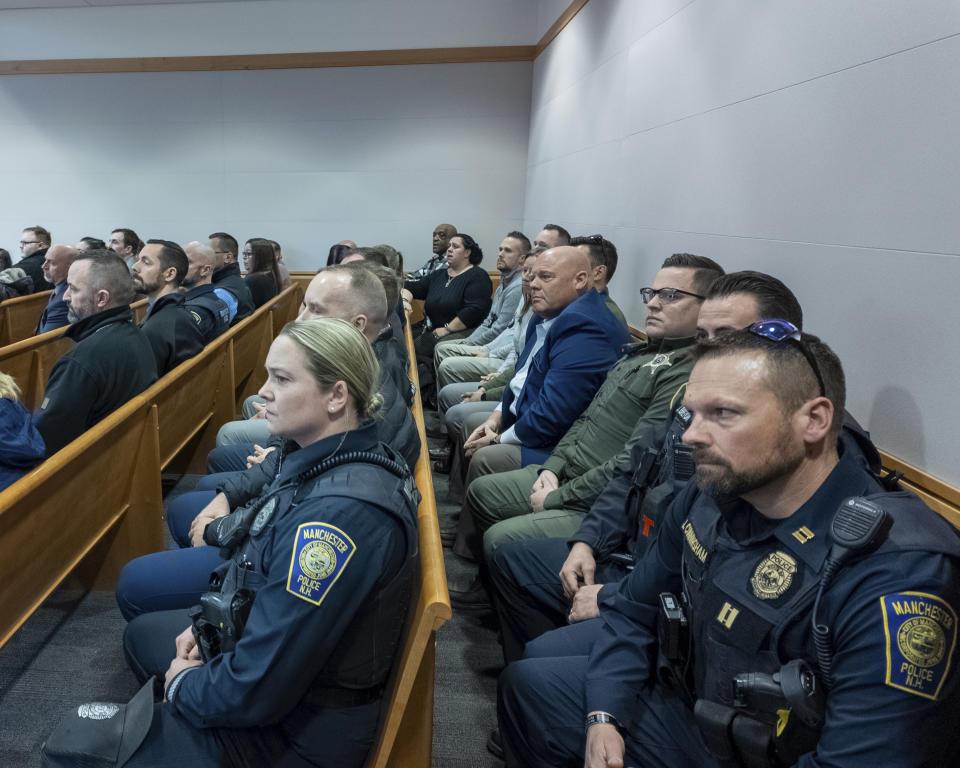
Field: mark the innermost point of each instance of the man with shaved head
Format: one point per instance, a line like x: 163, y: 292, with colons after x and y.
x: 441, y: 239
x: 112, y: 360
x: 215, y: 306
x: 352, y: 293
x: 571, y: 344
x: 56, y: 264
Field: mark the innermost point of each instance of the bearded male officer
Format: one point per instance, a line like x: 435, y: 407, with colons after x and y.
x: 750, y: 550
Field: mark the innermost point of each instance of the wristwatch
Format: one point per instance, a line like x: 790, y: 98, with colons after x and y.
x: 602, y: 717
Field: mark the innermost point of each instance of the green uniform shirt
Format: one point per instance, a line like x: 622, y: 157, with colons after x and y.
x: 636, y: 396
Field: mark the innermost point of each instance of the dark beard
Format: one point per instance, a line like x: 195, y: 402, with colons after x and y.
x: 721, y: 481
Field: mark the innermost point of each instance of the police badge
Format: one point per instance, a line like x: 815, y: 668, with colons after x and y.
x: 97, y: 710
x: 773, y: 576
x: 663, y: 359
x: 263, y: 515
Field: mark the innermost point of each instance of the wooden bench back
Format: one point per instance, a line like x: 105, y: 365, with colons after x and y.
x: 30, y: 359
x: 19, y: 316
x: 406, y: 735
x: 96, y: 503
x: 101, y: 489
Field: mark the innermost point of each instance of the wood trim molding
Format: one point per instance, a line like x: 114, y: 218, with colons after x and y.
x: 315, y: 60
x: 565, y: 18
x: 318, y: 60
x: 927, y: 482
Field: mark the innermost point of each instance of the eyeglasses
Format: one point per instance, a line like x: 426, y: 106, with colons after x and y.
x: 777, y: 331
x: 666, y: 295
x: 28, y: 242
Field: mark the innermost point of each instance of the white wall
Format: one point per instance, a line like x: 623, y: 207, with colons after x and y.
x: 307, y: 157
x: 812, y: 139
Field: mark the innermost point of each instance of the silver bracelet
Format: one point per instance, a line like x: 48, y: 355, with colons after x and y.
x: 602, y: 717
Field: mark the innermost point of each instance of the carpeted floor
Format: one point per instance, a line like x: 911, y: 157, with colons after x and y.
x: 69, y: 653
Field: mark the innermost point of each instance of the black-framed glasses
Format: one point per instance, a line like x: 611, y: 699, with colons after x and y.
x: 29, y: 242
x: 666, y: 295
x: 777, y: 331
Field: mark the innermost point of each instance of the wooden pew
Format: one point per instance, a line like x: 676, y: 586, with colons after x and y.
x: 19, y: 316
x: 936, y: 494
x: 99, y: 494
x: 97, y: 503
x: 406, y: 736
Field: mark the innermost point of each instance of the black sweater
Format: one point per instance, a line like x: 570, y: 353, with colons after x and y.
x: 468, y: 296
x: 262, y: 287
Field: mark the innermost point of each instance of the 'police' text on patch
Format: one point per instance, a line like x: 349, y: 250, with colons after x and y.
x: 320, y: 553
x: 921, y: 633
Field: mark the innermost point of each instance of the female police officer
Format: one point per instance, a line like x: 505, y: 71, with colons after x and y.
x: 285, y: 660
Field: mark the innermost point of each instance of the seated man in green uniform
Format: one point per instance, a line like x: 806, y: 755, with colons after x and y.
x: 549, y: 499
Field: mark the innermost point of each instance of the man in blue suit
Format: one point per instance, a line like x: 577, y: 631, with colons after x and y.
x: 571, y: 344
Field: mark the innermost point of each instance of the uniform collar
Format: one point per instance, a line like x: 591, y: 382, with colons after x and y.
x: 166, y: 300
x: 227, y: 270
x: 662, y: 345
x: 807, y: 531
x: 364, y: 438
x: 81, y: 329
x: 199, y: 289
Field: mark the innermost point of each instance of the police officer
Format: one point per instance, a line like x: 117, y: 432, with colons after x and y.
x: 216, y: 307
x: 705, y: 656
x: 539, y: 584
x: 284, y: 662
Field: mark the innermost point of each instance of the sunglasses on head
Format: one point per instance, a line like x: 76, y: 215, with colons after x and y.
x: 777, y: 331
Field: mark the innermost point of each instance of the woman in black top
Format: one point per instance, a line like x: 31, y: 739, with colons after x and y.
x: 263, y: 277
x: 455, y: 301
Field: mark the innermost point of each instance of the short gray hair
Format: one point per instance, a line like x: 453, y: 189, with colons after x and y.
x: 108, y: 272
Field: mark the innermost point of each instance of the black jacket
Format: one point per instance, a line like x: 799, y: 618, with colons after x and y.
x: 33, y: 266
x: 392, y: 356
x: 228, y: 277
x: 111, y: 363
x: 174, y: 332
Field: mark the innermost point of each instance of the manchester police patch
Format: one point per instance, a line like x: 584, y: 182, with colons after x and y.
x: 320, y: 553
x: 921, y: 633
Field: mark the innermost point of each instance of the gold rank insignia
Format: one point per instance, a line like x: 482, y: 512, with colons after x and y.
x: 921, y: 633
x: 660, y: 361
x: 803, y: 534
x: 773, y: 576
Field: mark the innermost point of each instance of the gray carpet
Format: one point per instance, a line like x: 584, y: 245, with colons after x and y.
x: 69, y: 653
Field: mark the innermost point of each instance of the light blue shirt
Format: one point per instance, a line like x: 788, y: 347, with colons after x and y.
x: 520, y: 377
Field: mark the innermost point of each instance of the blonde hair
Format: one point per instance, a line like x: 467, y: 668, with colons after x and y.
x: 8, y: 387
x: 334, y: 350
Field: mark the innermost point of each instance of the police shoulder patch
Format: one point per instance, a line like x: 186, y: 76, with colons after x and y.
x: 921, y: 633
x: 320, y: 553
